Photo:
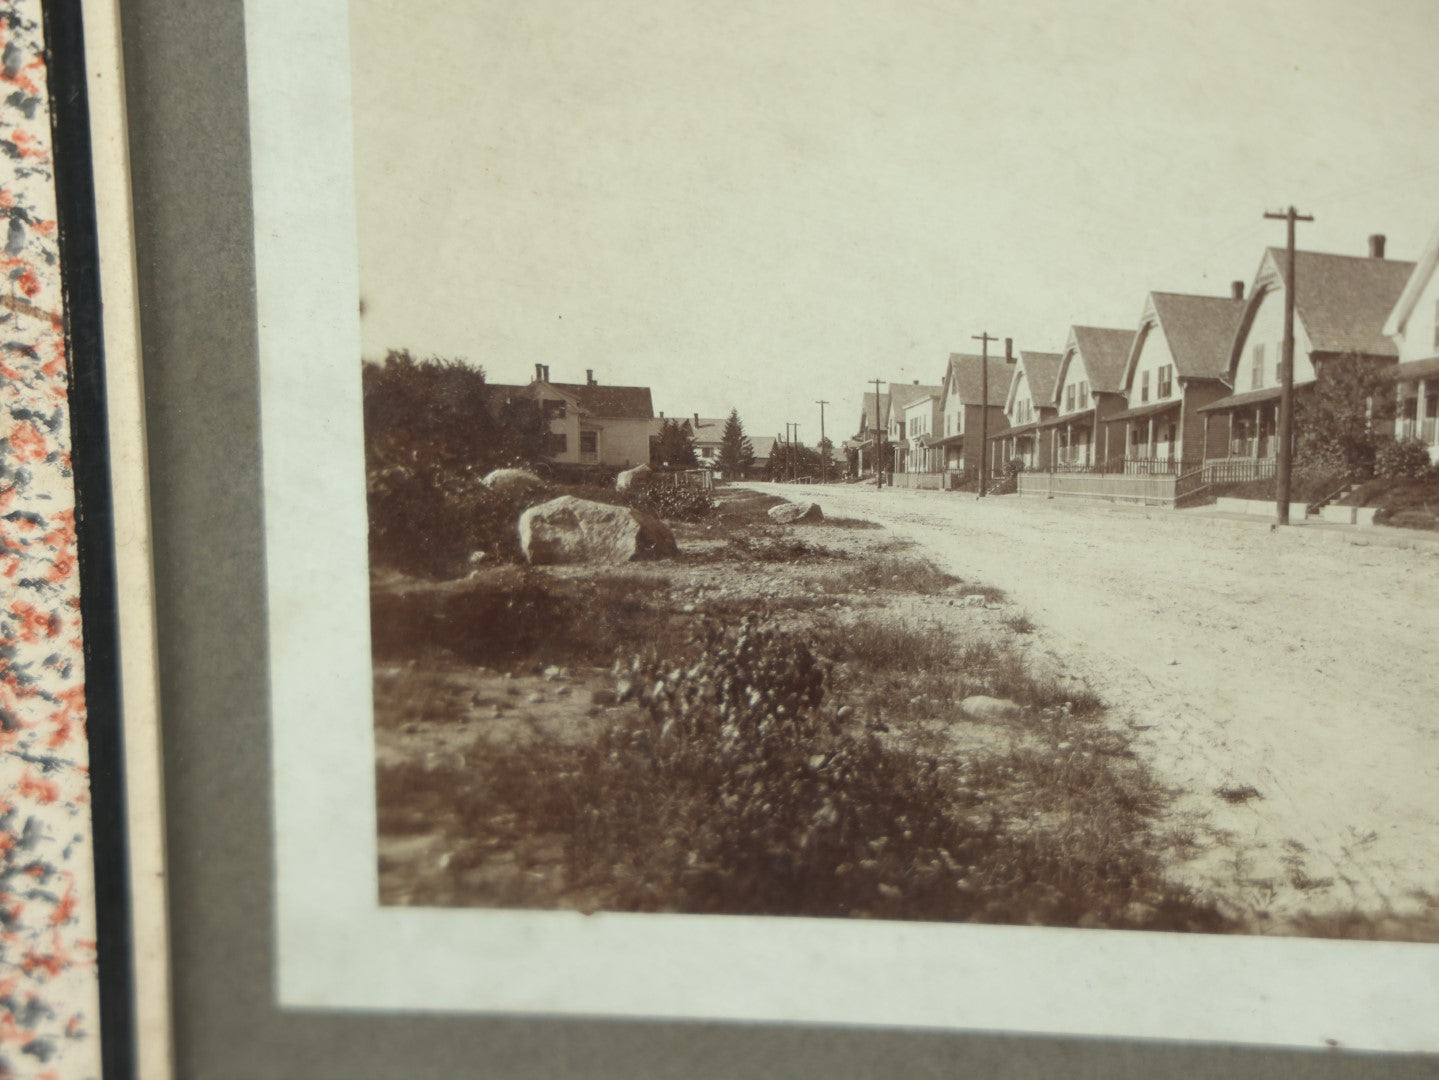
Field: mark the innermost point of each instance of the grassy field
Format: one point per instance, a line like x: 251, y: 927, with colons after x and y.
x: 784, y: 720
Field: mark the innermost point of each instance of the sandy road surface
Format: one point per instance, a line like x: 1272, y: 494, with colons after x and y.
x: 1300, y: 665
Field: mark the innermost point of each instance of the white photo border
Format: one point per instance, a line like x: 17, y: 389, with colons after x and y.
x: 338, y: 948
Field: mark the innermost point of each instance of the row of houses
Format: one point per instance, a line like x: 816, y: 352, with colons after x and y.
x: 595, y: 424
x: 1194, y: 387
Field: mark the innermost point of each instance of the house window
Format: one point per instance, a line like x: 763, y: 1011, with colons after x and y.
x: 1144, y: 386
x: 1166, y: 381
x: 589, y: 442
x: 557, y: 443
x: 1069, y: 398
x: 1084, y: 395
x: 554, y: 410
x: 1256, y: 377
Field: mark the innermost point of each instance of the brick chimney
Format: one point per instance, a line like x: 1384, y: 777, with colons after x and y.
x: 1009, y: 350
x: 1376, y: 246
x: 1236, y: 290
x: 590, y: 377
x: 697, y: 423
x: 539, y: 373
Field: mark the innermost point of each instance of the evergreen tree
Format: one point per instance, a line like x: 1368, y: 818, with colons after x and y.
x: 675, y: 446
x: 736, y: 453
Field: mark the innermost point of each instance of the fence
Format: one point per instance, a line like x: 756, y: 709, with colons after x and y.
x: 1238, y: 470
x: 1145, y: 490
x: 923, y: 481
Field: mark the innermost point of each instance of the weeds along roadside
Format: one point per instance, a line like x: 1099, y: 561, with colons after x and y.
x: 775, y: 728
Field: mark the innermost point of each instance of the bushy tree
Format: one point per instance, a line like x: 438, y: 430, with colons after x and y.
x: 1340, y: 423
x: 431, y: 433
x: 736, y: 452
x: 792, y: 459
x: 675, y: 446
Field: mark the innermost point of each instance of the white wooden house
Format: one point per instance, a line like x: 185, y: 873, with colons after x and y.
x: 1413, y: 326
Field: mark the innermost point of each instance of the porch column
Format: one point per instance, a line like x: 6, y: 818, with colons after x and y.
x: 1422, y: 409
x: 1149, y: 448
x: 1205, y: 455
x: 1258, y: 427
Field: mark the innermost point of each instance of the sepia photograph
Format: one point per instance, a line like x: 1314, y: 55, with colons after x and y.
x: 828, y: 465
x: 857, y: 491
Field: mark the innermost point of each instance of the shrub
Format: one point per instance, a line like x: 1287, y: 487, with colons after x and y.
x: 1401, y: 459
x: 429, y: 521
x: 673, y: 503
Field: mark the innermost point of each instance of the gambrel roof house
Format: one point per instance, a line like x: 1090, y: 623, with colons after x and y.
x: 1028, y: 400
x: 1176, y: 365
x: 1413, y: 326
x: 1088, y: 390
x: 1341, y: 305
x: 965, y: 411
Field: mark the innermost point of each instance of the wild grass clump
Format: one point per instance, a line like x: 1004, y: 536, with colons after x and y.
x: 780, y: 549
x: 891, y: 574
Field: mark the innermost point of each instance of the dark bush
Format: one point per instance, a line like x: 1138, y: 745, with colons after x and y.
x: 431, y: 521
x: 1401, y: 459
x: 673, y: 503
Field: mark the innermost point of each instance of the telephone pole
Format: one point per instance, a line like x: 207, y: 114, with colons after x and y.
x: 984, y: 339
x: 878, y: 472
x: 1286, y: 371
x: 823, y: 457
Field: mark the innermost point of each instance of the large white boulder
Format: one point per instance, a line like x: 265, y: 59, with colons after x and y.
x: 571, y: 530
x: 795, y: 513
x: 637, y: 477
x: 513, y: 481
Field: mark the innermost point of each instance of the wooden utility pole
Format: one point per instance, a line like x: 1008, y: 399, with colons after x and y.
x: 822, y: 455
x: 984, y: 339
x: 1286, y: 372
x: 878, y: 473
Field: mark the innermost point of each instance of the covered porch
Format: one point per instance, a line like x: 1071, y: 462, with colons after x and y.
x: 1416, y: 413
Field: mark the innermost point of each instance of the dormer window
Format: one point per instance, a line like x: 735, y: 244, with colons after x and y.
x: 1084, y: 395
x: 1166, y: 381
x: 1256, y: 377
x: 1143, y: 386
x: 1069, y: 398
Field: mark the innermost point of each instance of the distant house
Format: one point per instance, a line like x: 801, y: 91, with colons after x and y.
x: 590, y: 423
x: 861, y: 449
x: 1413, y: 326
x: 1176, y: 366
x: 963, y: 409
x: 763, y: 448
x: 901, y: 397
x: 1089, y: 390
x: 707, y: 433
x: 1028, y: 402
x: 919, y: 422
x: 1341, y: 305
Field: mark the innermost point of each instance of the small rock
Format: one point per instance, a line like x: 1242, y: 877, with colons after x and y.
x: 535, y: 697
x: 983, y: 707
x: 517, y: 481
x: 796, y: 513
x: 552, y: 673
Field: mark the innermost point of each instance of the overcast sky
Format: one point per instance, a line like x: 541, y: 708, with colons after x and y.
x: 759, y: 204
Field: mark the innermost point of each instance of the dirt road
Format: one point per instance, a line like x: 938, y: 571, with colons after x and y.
x: 1285, y: 684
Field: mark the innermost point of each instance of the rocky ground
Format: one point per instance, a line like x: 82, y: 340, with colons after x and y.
x: 1279, y: 683
x: 941, y: 665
